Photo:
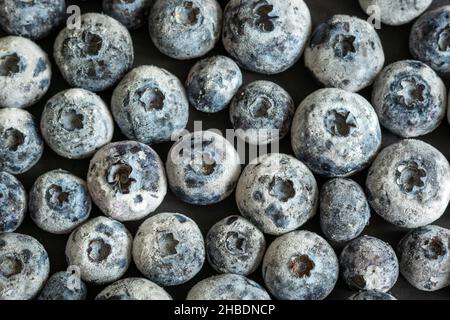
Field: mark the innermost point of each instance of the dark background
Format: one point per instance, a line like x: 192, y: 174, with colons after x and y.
x: 297, y: 81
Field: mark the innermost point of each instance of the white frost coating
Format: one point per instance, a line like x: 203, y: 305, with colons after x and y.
x: 133, y: 289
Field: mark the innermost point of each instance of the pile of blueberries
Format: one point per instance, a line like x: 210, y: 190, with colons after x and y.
x: 335, y: 133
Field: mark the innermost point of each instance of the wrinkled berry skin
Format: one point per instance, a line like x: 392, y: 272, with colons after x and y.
x: 13, y: 202
x: 424, y: 255
x: 371, y: 295
x: 61, y: 286
x: 227, y: 287
x: 131, y: 13
x: 335, y: 133
x: 344, y: 210
x: 95, y: 56
x: 169, y: 249
x: 345, y: 52
x: 24, y: 266
x: 184, y: 29
x: 266, y: 37
x: 150, y: 105
x: 367, y: 263
x: 300, y: 266
x: 133, y: 289
x: 409, y: 184
x: 262, y: 112
x: 235, y: 245
x: 212, y: 83
x: 269, y: 192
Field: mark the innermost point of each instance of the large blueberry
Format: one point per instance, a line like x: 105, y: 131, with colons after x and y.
x: 13, y: 202
x: 131, y: 13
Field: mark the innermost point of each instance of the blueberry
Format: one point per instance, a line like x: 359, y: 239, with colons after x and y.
x: 131, y: 13
x: 150, y: 105
x: 371, y: 295
x: 409, y: 184
x: 133, y: 289
x: 335, y: 133
x: 266, y: 36
x: 169, y: 251
x: 300, y: 266
x: 63, y: 285
x: 13, y: 202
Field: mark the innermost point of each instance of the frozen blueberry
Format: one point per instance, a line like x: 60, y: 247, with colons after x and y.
x: 266, y: 36
x: 300, y: 266
x: 127, y: 180
x: 371, y: 295
x: 270, y: 190
x: 63, y: 285
x: 203, y: 168
x: 345, y: 52
x: 335, y: 133
x: 424, y: 255
x: 212, y: 83
x: 235, y: 245
x: 13, y: 202
x: 227, y: 287
x: 367, y: 263
x: 24, y: 266
x: 131, y: 13
x: 95, y: 56
x: 25, y: 72
x: 21, y: 145
x: 133, y: 289
x: 75, y: 123
x: 184, y: 29
x: 150, y: 105
x: 409, y: 184
x: 101, y: 249
x: 169, y: 249
x: 409, y: 98
x: 262, y: 112
x: 59, y: 202
x: 31, y: 19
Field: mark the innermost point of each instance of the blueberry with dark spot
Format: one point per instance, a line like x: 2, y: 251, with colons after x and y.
x: 13, y: 202
x: 63, y: 285
x: 131, y: 13
x: 371, y: 295
x: 133, y: 289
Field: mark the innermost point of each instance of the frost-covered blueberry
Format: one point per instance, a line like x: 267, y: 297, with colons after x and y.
x: 75, y: 123
x: 101, y: 249
x: 270, y: 190
x: 185, y: 29
x: 169, y: 249
x: 345, y: 52
x: 203, y: 168
x: 133, y: 289
x: 13, y: 202
x: 262, y: 112
x: 59, y: 202
x: 96, y: 55
x: 424, y: 255
x: 409, y: 184
x: 131, y: 13
x: 409, y: 98
x: 63, y: 285
x: 25, y: 72
x: 266, y: 36
x: 335, y: 133
x: 300, y: 266
x: 235, y: 245
x: 227, y: 287
x: 150, y: 105
x: 344, y: 210
x: 21, y: 145
x: 212, y: 83
x: 24, y: 266
x: 367, y: 263
x: 371, y: 295
x: 126, y: 180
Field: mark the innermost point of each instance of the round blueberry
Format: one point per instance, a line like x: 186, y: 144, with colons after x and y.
x: 133, y: 289
x: 63, y: 285
x: 13, y: 202
x: 371, y: 295
x: 131, y: 13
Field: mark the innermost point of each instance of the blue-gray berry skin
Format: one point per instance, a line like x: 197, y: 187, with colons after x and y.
x: 31, y: 19
x: 371, y: 295
x: 169, y: 249
x: 13, y: 202
x: 96, y: 55
x: 261, y: 112
x: 63, y: 285
x: 212, y: 83
x: 131, y: 13
x: 367, y: 263
x: 21, y: 145
x: 184, y: 29
x: 133, y: 289
x: 336, y: 133
x: 24, y: 266
x: 235, y: 245
x: 266, y: 36
x: 424, y: 255
x: 150, y: 105
x: 300, y: 265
